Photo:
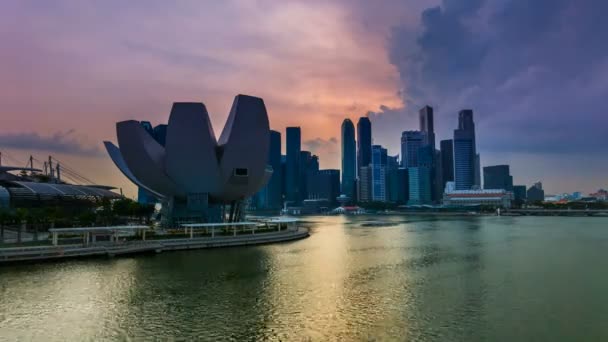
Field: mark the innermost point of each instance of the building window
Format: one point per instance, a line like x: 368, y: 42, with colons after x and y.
x: 241, y: 172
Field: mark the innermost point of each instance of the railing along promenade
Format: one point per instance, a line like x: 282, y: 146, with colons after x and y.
x: 120, y: 240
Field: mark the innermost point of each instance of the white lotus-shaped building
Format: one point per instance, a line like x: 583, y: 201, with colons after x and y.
x: 194, y: 169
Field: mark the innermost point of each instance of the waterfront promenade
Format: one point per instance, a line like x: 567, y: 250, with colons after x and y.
x: 272, y: 231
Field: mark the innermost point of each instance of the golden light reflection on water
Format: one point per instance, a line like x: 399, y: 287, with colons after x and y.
x: 57, y: 301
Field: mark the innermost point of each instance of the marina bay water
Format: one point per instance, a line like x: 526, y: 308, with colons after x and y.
x: 420, y: 278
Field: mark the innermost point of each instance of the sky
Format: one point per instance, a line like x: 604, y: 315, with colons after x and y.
x: 534, y: 72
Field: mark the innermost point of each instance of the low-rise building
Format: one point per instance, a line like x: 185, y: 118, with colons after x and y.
x: 499, y: 198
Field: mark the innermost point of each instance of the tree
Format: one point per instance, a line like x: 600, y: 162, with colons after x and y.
x: 34, y: 219
x: 20, y: 215
x: 5, y: 218
x: 87, y: 218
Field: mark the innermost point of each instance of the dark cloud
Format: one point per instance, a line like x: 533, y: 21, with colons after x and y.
x: 533, y: 71
x: 60, y: 142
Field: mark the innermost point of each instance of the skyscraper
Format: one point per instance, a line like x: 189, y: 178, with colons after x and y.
x: 497, y: 177
x: 270, y: 196
x: 292, y: 166
x: 364, y: 142
x: 419, y: 180
x: 447, y: 161
x: 309, y: 165
x: 365, y: 184
x: 325, y: 184
x: 378, y: 165
x: 349, y: 158
x: 397, y: 185
x: 274, y: 199
x: 465, y: 153
x: 477, y: 170
x: 411, y: 142
x: 427, y: 125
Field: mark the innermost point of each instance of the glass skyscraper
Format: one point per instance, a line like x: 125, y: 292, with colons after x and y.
x: 378, y: 165
x: 349, y: 158
x: 497, y: 177
x: 419, y: 180
x: 397, y: 185
x: 465, y: 153
x: 427, y: 125
x: 325, y: 184
x: 447, y: 161
x: 292, y: 166
x: 270, y: 197
x: 411, y: 142
x: 364, y: 142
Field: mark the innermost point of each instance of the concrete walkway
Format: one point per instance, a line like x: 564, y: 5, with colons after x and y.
x: 22, y: 254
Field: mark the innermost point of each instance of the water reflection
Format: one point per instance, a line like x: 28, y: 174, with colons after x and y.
x: 411, y: 278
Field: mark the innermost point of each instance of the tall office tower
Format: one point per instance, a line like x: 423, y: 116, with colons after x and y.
x: 427, y: 125
x: 273, y: 200
x: 325, y: 184
x: 397, y: 185
x: 437, y: 180
x: 419, y: 181
x: 497, y: 177
x: 477, y: 181
x: 365, y: 184
x: 349, y: 158
x: 283, y: 177
x: 378, y: 165
x: 269, y: 197
x: 312, y: 169
x: 392, y: 162
x: 292, y: 166
x: 465, y: 153
x: 411, y: 142
x: 364, y: 142
x: 309, y: 165
x: 447, y: 161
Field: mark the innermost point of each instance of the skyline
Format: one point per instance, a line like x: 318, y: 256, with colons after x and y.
x: 77, y: 68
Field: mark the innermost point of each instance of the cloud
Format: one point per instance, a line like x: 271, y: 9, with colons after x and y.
x: 59, y: 142
x: 531, y: 70
x: 329, y: 149
x: 318, y: 145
